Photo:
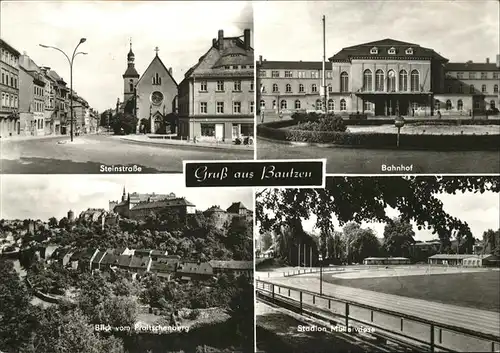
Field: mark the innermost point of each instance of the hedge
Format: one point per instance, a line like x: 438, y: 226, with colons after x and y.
x: 381, y: 140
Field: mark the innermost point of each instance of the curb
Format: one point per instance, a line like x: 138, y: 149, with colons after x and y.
x: 388, y: 148
x: 189, y: 145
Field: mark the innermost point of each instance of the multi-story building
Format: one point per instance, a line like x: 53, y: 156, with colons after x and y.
x: 52, y: 124
x: 9, y: 90
x: 291, y: 86
x: 386, y: 77
x: 216, y: 96
x: 32, y: 102
x: 61, y: 103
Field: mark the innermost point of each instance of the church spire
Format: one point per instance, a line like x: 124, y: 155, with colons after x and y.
x: 130, y: 55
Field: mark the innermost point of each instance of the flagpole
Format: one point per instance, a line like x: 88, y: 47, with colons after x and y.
x: 324, y: 68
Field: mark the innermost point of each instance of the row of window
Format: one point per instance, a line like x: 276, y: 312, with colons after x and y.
x: 219, y: 107
x: 9, y: 58
x: 472, y: 75
x: 297, y: 74
x: 38, y: 91
x: 460, y: 105
x: 381, y: 82
x: 9, y: 79
x: 236, y: 67
x: 391, y: 51
x: 298, y: 104
x: 221, y: 86
x: 288, y: 88
x: 39, y: 124
x: 472, y: 89
x: 38, y: 106
x: 9, y: 101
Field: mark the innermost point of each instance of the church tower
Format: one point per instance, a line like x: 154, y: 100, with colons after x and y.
x: 130, y: 77
x: 124, y: 197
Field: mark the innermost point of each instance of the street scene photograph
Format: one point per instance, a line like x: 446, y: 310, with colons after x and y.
x: 124, y: 264
x: 113, y: 87
x: 379, y: 264
x: 380, y: 86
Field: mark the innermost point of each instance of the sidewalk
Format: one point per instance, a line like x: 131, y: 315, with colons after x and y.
x: 166, y: 141
x: 30, y: 137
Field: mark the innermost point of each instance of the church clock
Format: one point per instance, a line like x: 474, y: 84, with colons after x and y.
x: 156, y: 98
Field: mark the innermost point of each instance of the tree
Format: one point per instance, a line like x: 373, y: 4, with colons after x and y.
x: 491, y: 242
x: 239, y: 238
x: 364, y: 244
x: 398, y: 238
x: 53, y: 222
x: 367, y: 198
x: 16, y: 316
x: 64, y: 223
x: 266, y: 240
x: 241, y: 309
x: 124, y: 123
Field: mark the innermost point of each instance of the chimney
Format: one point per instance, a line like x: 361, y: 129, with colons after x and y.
x: 214, y: 41
x: 221, y: 39
x: 260, y: 59
x: 246, y: 38
x: 487, y: 60
x: 170, y: 71
x: 498, y: 61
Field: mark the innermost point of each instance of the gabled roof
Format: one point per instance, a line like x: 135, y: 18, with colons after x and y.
x: 131, y: 71
x: 236, y: 207
x: 232, y: 265
x: 203, y: 268
x: 471, y: 67
x: 110, y: 259
x: 139, y: 262
x: 158, y: 253
x: 124, y: 260
x: 163, y: 265
x: 142, y: 252
x: 295, y: 65
x: 164, y: 67
x: 363, y: 50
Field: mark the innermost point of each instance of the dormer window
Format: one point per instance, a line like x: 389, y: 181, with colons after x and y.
x: 374, y: 50
x: 392, y: 51
x: 409, y: 51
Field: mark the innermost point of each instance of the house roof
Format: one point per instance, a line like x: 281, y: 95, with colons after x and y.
x: 214, y: 209
x: 158, y: 253
x: 450, y: 256
x: 195, y: 268
x: 124, y: 260
x: 157, y: 58
x: 386, y: 258
x: 234, y: 53
x: 295, y: 65
x: 139, y: 262
x: 162, y: 203
x: 471, y: 66
x: 232, y: 265
x: 363, y: 50
x: 142, y: 252
x: 163, y: 265
x: 136, y: 197
x: 236, y: 207
x: 8, y: 46
x: 110, y: 259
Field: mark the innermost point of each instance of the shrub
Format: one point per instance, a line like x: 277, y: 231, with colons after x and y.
x: 328, y: 123
x: 237, y: 141
x: 299, y: 117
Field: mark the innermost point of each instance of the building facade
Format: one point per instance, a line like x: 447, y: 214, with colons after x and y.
x: 216, y: 96
x: 9, y: 90
x: 386, y: 77
x: 152, y: 97
x: 31, y: 103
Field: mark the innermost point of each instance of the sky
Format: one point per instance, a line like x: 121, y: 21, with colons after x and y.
x: 459, y: 30
x: 45, y: 196
x: 183, y: 32
x: 480, y: 211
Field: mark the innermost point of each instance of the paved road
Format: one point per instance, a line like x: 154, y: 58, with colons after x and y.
x: 87, y: 153
x: 369, y: 161
x: 474, y: 319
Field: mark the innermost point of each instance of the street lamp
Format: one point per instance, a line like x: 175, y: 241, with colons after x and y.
x: 399, y: 122
x: 320, y: 258
x: 70, y: 61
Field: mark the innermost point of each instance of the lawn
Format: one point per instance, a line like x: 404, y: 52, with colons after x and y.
x: 480, y: 290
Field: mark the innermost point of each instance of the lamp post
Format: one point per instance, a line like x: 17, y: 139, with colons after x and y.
x: 70, y: 61
x: 320, y: 258
x: 399, y: 122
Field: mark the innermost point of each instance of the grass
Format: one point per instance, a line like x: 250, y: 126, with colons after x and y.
x: 478, y: 290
